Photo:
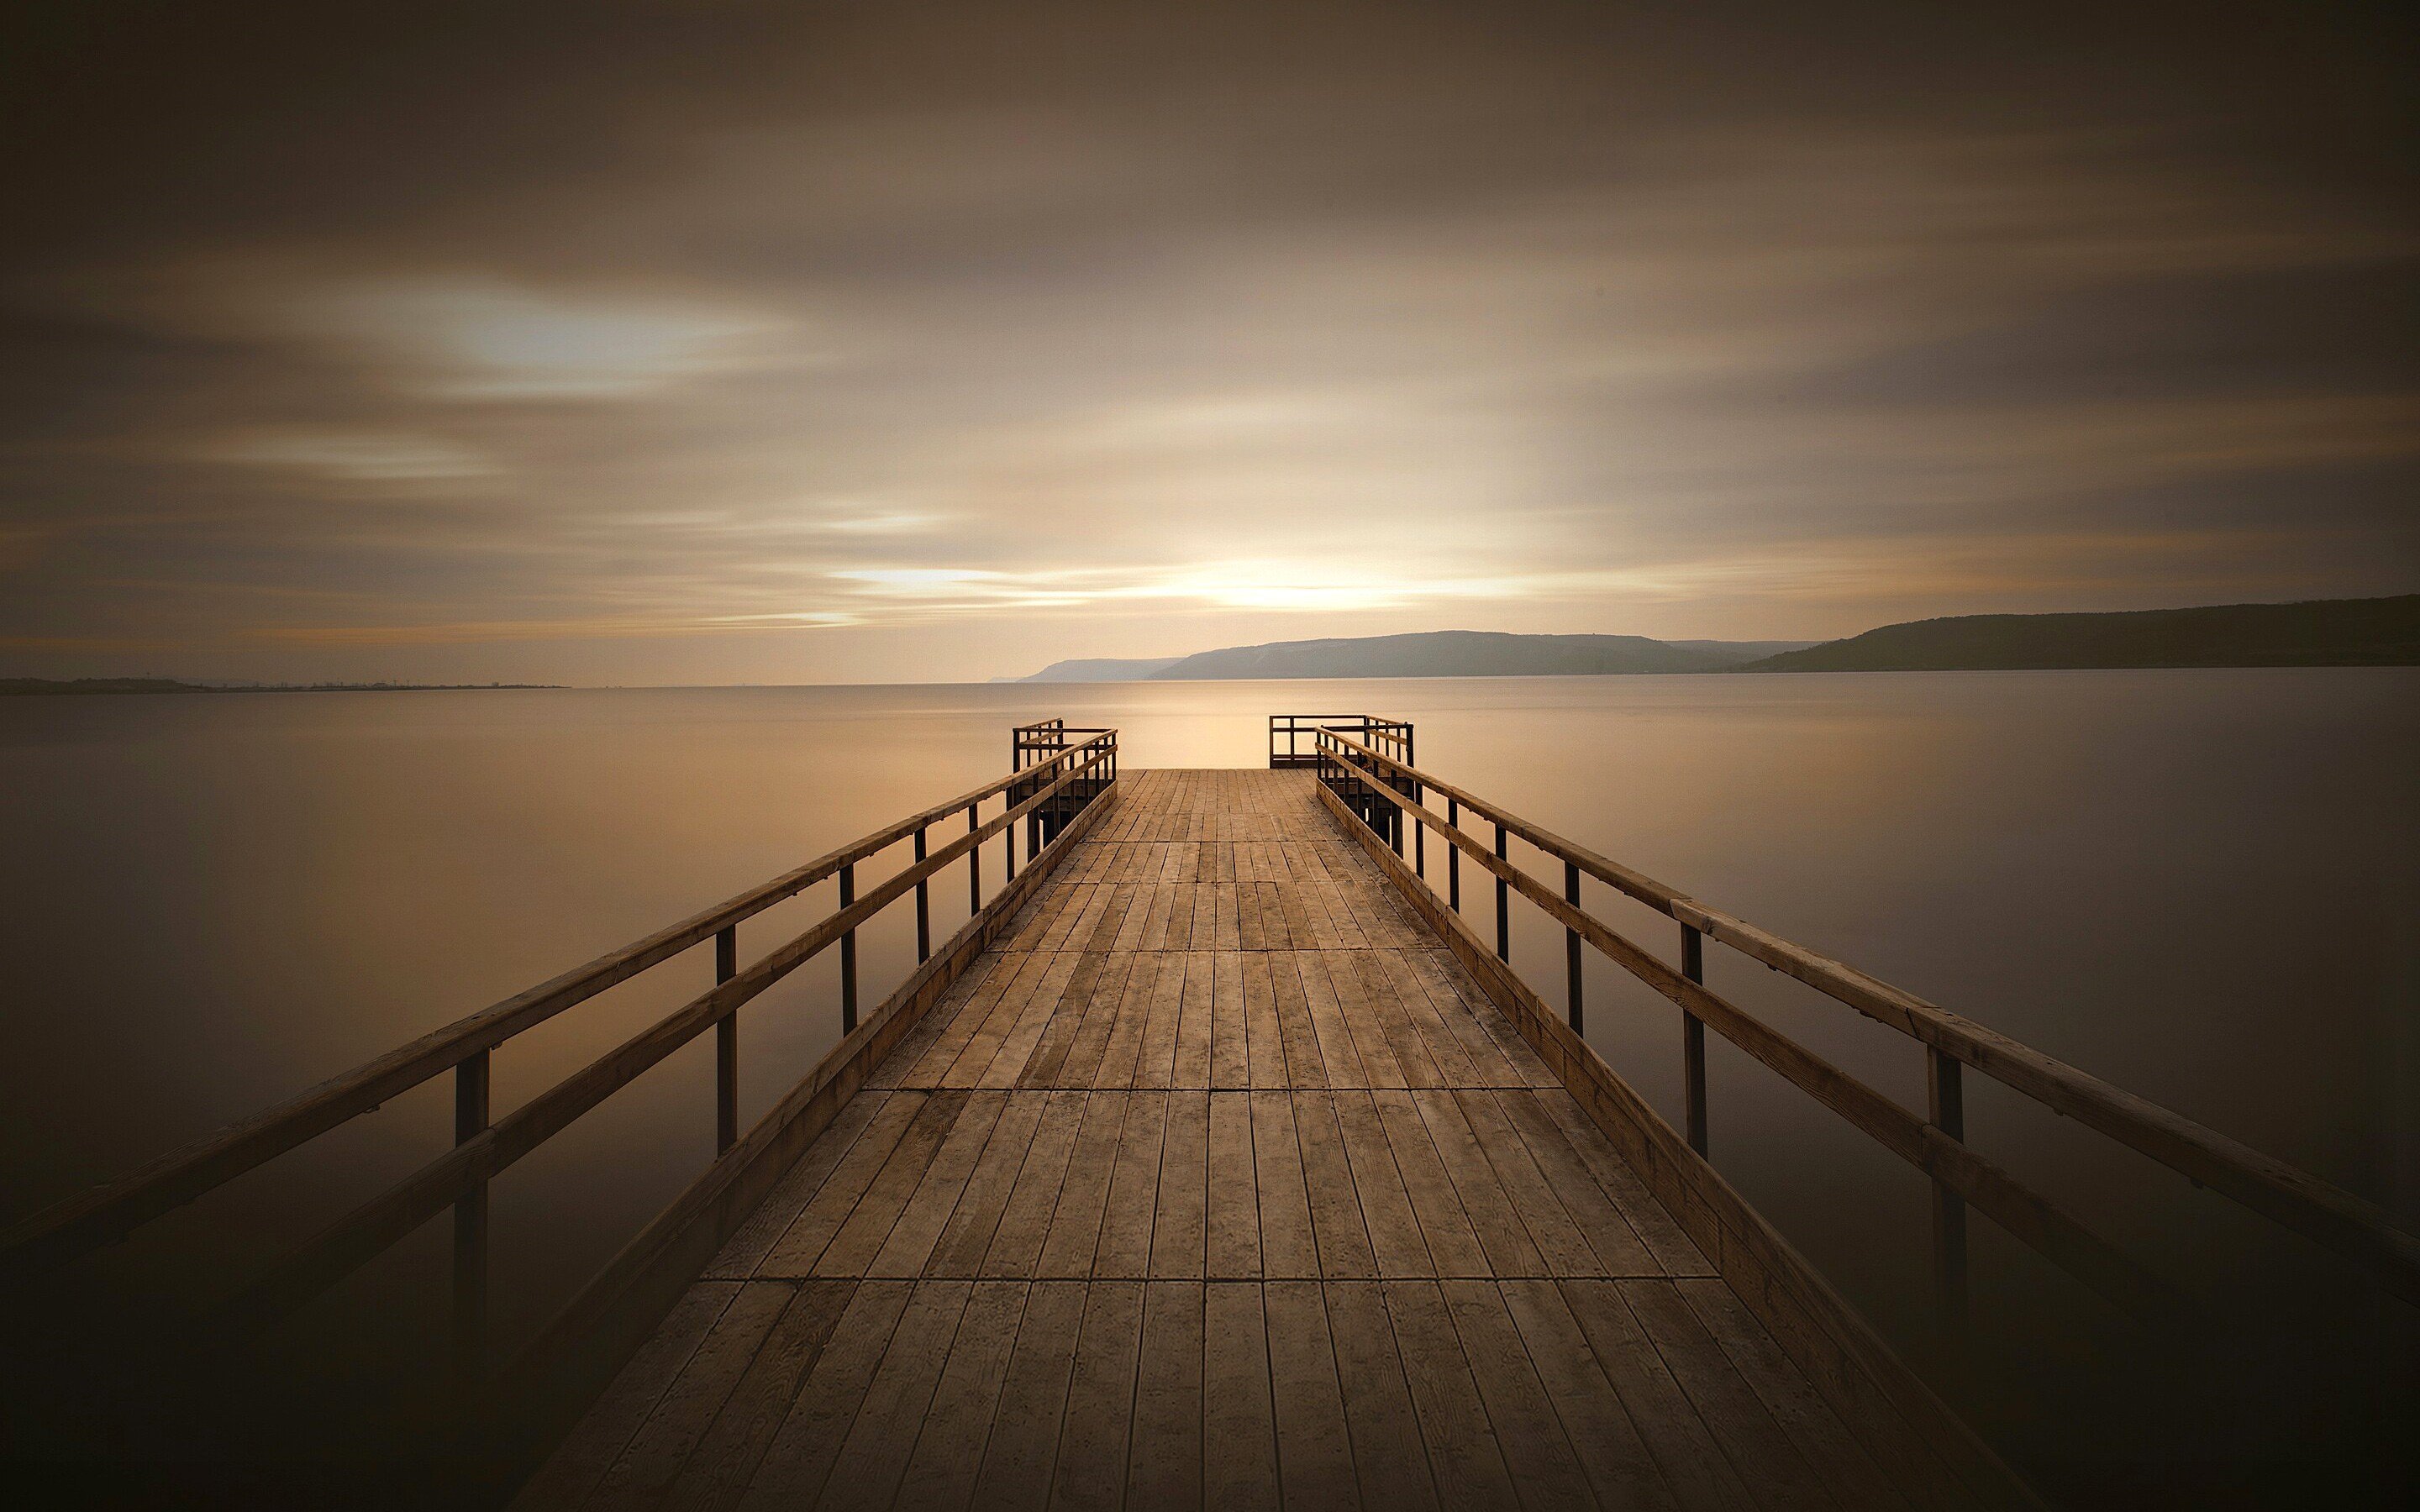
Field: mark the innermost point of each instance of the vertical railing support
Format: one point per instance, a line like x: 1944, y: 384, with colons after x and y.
x: 1693, y: 1041
x: 1571, y: 945
x: 1945, y: 1098
x: 1420, y: 842
x: 847, y: 954
x: 1454, y: 857
x: 470, y: 1223
x: 726, y: 1045
x: 974, y: 868
x: 924, y: 910
x: 1008, y: 847
x: 1503, y: 904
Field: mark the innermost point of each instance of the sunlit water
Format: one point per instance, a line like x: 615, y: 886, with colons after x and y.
x: 2200, y: 886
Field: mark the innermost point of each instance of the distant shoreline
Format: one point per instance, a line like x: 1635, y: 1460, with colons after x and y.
x: 121, y: 686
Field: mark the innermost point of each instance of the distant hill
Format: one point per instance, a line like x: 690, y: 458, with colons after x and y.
x: 2338, y: 632
x: 96, y: 685
x: 1098, y: 669
x: 1430, y: 653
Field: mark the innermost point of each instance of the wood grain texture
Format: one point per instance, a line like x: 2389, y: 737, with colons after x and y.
x: 1218, y: 1182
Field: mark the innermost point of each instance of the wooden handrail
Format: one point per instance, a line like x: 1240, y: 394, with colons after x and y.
x: 83, y: 1223
x: 2289, y: 1197
x: 370, y: 1229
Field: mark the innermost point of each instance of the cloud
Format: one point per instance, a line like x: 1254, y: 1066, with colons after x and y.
x: 352, y: 456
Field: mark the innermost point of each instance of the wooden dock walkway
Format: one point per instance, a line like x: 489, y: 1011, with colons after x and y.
x: 1218, y: 1182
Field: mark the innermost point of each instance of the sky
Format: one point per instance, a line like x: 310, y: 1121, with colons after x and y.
x: 809, y: 343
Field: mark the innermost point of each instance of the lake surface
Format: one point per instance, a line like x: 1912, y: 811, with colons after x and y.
x: 2201, y: 886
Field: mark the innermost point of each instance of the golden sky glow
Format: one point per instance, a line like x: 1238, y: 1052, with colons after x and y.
x: 796, y: 344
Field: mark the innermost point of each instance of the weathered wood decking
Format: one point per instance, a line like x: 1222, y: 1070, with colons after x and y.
x: 1217, y: 1183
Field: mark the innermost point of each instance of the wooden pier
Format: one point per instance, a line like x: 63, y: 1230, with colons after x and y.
x: 1217, y: 1160
x: 1218, y: 1182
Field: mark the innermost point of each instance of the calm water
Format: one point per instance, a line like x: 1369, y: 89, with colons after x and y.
x: 2201, y: 886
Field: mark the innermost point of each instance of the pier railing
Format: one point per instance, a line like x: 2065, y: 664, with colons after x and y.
x: 1054, y: 790
x: 1358, y: 772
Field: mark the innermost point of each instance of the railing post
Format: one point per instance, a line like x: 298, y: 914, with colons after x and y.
x: 974, y: 868
x: 1945, y: 1098
x: 847, y: 953
x: 1693, y: 1041
x: 1453, y: 856
x: 726, y: 1045
x: 469, y: 1223
x: 923, y: 909
x: 1008, y: 847
x: 1572, y: 942
x: 1420, y: 842
x: 1503, y: 906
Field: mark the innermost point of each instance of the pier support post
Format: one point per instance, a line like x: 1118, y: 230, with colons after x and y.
x: 726, y: 1045
x: 1693, y: 1041
x: 848, y: 955
x: 1454, y: 857
x: 1945, y: 1097
x: 470, y: 1224
x: 1572, y: 948
x: 974, y: 866
x: 1503, y: 906
x: 924, y: 910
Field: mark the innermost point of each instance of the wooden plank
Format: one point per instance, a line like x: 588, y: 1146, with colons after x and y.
x: 853, y: 1248
x: 867, y: 1472
x: 1494, y: 1221
x: 747, y: 1248
x: 1091, y: 1465
x: 1390, y: 1457
x: 717, y: 1471
x: 1340, y: 1055
x: 1566, y: 1250
x: 918, y: 1229
x: 1155, y: 1063
x: 1288, y: 1246
x: 1298, y: 1039
x: 1671, y: 1246
x: 1194, y: 1029
x: 1014, y: 1244
x: 580, y: 1462
x: 1610, y: 1451
x: 1386, y: 1207
x: 1233, y: 1251
x: 1386, y: 1007
x: 1132, y: 1203
x: 801, y: 1244
x: 1116, y: 1065
x: 1369, y: 1031
x: 1445, y: 1226
x: 794, y: 1465
x: 1529, y: 1434
x: 959, y: 1249
x: 1617, y: 1245
x: 1772, y: 1467
x: 1819, y: 1436
x: 950, y: 1443
x: 1230, y: 1064
x: 1179, y: 1237
x: 1264, y: 1044
x: 1693, y: 1464
x: 1164, y: 1464
x: 1239, y: 1451
x: 1314, y: 1447
x: 1102, y: 1012
x: 1337, y: 1225
x: 1041, y: 1068
x: 1023, y: 1450
x: 1462, y: 1455
x: 1076, y: 1218
x: 1019, y: 1045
